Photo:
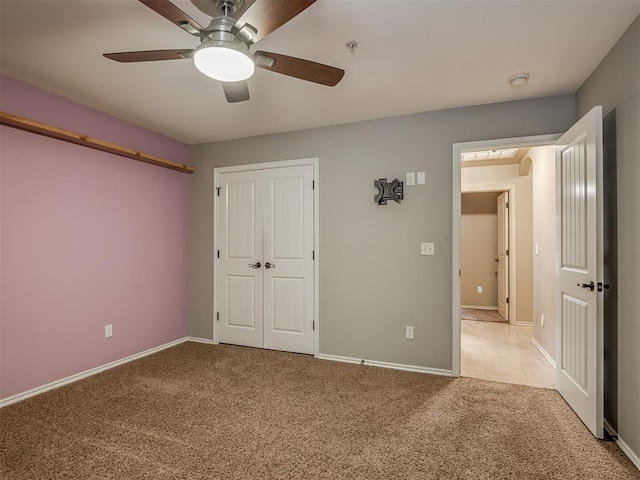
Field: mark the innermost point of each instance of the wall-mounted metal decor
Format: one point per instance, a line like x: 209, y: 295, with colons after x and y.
x: 388, y: 191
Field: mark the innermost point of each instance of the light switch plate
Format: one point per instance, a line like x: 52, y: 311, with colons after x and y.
x: 411, y: 178
x: 427, y: 248
x: 421, y: 178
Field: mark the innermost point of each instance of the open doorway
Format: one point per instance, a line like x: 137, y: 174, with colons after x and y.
x: 487, y: 241
x: 506, y: 261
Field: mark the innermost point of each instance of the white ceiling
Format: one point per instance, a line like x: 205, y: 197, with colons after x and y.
x: 414, y: 56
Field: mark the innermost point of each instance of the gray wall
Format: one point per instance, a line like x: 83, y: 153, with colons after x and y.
x: 615, y: 84
x: 373, y: 281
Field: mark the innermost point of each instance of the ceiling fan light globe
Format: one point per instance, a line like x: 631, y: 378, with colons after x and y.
x: 224, y: 63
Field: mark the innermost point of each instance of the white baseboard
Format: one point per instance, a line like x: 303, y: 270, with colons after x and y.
x: 621, y: 443
x: 628, y: 452
x: 544, y: 352
x: 523, y: 324
x: 200, y: 340
x: 479, y: 307
x: 87, y: 373
x: 376, y: 363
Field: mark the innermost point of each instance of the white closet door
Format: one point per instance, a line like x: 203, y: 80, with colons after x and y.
x: 288, y: 259
x: 240, y: 286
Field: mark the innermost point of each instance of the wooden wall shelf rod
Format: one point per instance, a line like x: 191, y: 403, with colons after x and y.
x: 33, y: 126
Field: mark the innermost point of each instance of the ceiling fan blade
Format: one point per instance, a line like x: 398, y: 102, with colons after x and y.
x: 236, y: 91
x: 265, y: 16
x: 299, y: 68
x: 176, y: 16
x: 149, y: 55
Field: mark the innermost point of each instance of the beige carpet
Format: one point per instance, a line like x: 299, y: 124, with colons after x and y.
x: 481, y: 315
x: 221, y: 412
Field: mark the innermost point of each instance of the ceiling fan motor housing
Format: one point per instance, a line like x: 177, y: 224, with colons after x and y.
x: 220, y: 29
x: 219, y: 34
x: 225, y: 28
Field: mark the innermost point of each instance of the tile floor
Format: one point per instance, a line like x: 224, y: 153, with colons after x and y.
x: 503, y: 353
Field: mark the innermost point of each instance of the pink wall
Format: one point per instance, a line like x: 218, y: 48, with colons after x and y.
x: 87, y: 238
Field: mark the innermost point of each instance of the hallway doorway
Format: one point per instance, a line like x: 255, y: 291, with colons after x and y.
x: 513, y: 351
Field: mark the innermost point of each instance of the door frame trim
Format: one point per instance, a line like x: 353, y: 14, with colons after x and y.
x: 458, y: 150
x: 315, y: 162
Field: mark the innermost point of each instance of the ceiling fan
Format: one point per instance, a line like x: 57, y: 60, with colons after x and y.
x: 223, y: 53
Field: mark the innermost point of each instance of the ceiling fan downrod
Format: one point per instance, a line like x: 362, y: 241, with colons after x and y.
x: 229, y: 7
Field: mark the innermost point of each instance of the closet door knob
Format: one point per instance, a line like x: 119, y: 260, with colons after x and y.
x: 589, y: 285
x: 255, y: 265
x: 269, y: 265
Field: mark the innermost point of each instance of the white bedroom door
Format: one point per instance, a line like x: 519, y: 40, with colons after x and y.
x: 240, y: 279
x: 288, y: 254
x: 270, y: 303
x: 503, y: 255
x: 580, y: 349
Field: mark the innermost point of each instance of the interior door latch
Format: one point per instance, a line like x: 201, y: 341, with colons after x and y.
x: 602, y: 285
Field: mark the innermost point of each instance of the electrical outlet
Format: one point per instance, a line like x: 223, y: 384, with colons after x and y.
x: 427, y: 249
x: 542, y: 320
x: 479, y: 289
x: 408, y: 333
x: 108, y: 331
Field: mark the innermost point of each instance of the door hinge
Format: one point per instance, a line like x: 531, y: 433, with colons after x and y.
x: 507, y: 252
x: 313, y: 184
x: 314, y: 325
x: 460, y: 272
x: 506, y: 205
x: 218, y: 189
x: 217, y: 316
x: 218, y: 253
x: 507, y: 299
x: 313, y: 255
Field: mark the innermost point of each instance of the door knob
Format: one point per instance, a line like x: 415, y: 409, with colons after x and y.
x: 269, y: 265
x: 589, y: 285
x: 255, y: 265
